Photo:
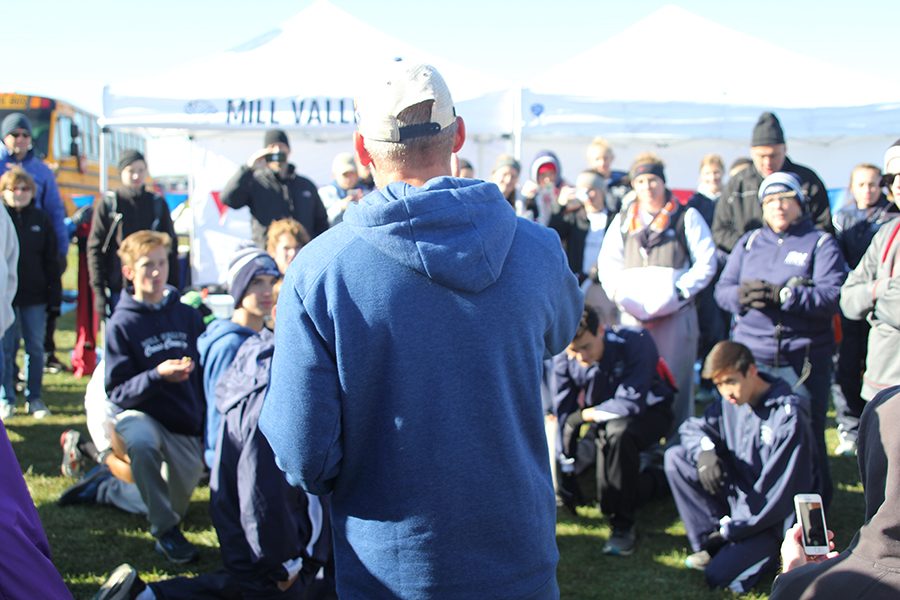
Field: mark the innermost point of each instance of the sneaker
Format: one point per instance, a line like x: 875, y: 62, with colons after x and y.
x: 72, y: 455
x: 698, y: 560
x: 622, y: 542
x: 846, y: 447
x: 123, y: 583
x: 53, y: 365
x: 175, y: 547
x: 38, y: 409
x: 85, y: 490
x: 7, y: 411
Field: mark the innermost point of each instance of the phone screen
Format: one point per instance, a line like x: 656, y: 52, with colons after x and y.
x: 812, y: 520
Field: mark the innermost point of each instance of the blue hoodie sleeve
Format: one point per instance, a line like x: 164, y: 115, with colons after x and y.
x: 788, y: 470
x: 52, y: 204
x: 569, y: 306
x: 126, y: 386
x: 303, y: 429
x: 565, y: 390
x: 630, y: 397
x: 828, y: 275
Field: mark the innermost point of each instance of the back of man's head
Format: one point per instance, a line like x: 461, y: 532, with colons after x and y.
x: 407, y: 119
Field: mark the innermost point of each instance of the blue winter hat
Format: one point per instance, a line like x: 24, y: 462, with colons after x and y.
x: 779, y: 183
x: 246, y: 264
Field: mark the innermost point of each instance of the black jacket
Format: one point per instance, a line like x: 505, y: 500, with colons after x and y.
x: 739, y: 211
x: 38, y: 259
x: 271, y: 198
x: 854, y: 228
x: 138, y: 212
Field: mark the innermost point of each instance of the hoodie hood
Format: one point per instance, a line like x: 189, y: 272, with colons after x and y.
x: 248, y: 374
x: 456, y: 232
x: 217, y: 330
x: 545, y: 157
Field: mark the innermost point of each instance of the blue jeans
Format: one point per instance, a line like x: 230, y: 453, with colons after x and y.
x: 30, y: 324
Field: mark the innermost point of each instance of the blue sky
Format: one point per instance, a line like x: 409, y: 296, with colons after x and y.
x: 86, y: 44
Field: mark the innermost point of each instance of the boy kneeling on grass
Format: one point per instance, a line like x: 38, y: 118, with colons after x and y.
x: 275, y: 538
x: 151, y: 352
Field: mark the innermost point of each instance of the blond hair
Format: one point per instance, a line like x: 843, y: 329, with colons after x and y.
x: 288, y: 226
x: 712, y: 160
x: 17, y: 175
x: 140, y: 243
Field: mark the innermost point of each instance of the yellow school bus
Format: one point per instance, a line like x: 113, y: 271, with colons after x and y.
x: 68, y: 138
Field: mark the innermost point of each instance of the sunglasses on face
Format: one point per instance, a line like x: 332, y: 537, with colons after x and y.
x: 20, y: 134
x: 887, y: 180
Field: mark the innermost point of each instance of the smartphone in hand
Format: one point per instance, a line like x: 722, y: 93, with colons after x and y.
x: 811, y: 516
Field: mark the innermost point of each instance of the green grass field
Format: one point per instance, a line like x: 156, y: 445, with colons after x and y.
x: 89, y: 541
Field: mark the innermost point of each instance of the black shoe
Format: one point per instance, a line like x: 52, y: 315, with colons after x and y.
x: 174, y: 547
x: 123, y: 583
x: 85, y: 490
x: 53, y: 365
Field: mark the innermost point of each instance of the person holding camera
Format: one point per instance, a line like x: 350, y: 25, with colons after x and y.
x: 269, y: 185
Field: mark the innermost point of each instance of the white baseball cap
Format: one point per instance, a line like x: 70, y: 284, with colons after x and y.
x: 406, y: 85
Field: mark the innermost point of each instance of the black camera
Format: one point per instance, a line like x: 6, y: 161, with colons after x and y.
x: 276, y: 157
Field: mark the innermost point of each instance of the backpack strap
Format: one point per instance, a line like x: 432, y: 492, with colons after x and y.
x: 890, y: 242
x: 158, y: 206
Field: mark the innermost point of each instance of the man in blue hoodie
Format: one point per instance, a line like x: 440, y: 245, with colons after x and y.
x: 407, y: 367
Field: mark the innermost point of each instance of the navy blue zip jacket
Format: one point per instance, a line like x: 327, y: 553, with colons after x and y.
x: 624, y: 381
x: 260, y: 519
x: 138, y: 338
x: 769, y: 455
x: 803, y: 321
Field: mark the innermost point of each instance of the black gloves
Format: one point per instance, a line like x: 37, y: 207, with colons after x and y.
x: 710, y: 472
x: 714, y: 543
x: 758, y: 294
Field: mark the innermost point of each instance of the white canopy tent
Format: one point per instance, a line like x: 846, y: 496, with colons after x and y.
x: 682, y: 85
x: 300, y: 77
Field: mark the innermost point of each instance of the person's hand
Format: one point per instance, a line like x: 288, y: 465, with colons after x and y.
x: 285, y: 585
x: 792, y: 554
x: 710, y: 472
x: 568, y: 198
x: 176, y: 370
x: 529, y: 189
x: 258, y: 158
x: 758, y: 294
x: 100, y: 305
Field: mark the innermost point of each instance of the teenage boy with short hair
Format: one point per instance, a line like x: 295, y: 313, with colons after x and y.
x: 736, y: 471
x: 151, y: 344
x: 614, y: 382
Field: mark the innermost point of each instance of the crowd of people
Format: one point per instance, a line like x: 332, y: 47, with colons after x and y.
x: 359, y: 448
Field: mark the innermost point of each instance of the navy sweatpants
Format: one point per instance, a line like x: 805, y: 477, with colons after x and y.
x: 739, y: 564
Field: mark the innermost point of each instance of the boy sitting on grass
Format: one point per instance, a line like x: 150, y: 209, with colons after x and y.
x: 151, y: 351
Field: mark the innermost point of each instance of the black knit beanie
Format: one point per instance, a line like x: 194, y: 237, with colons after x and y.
x: 275, y: 136
x: 128, y: 157
x: 768, y: 131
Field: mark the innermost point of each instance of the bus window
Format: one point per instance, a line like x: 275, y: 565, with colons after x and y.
x: 63, y: 140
